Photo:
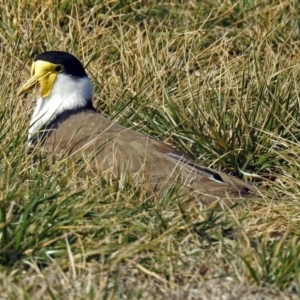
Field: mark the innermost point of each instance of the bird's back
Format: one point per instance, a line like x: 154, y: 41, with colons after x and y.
x: 118, y: 151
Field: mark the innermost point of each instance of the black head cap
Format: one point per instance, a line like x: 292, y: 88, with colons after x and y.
x: 72, y: 65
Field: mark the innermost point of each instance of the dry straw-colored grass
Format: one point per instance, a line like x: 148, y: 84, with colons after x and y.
x: 218, y: 80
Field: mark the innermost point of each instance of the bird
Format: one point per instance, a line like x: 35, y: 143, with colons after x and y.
x: 65, y: 121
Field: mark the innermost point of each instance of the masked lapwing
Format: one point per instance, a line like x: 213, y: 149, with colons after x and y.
x: 65, y: 120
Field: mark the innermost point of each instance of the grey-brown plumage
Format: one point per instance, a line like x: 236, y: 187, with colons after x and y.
x: 77, y: 129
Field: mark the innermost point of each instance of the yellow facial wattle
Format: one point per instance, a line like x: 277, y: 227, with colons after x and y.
x: 44, y: 74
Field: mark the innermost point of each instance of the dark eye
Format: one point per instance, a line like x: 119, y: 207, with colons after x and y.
x: 59, y: 68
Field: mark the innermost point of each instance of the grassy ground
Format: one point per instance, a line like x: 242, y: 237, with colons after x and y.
x: 218, y: 80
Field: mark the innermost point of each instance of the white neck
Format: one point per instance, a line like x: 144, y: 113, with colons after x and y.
x: 67, y: 93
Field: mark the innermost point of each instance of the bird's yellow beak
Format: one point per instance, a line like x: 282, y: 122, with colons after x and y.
x: 43, y: 74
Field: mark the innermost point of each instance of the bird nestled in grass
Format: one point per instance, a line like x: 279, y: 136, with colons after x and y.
x: 65, y: 120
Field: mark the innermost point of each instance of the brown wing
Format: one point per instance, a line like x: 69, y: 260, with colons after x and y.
x: 113, y: 148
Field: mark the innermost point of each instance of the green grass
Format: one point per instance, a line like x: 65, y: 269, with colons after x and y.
x: 218, y: 80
